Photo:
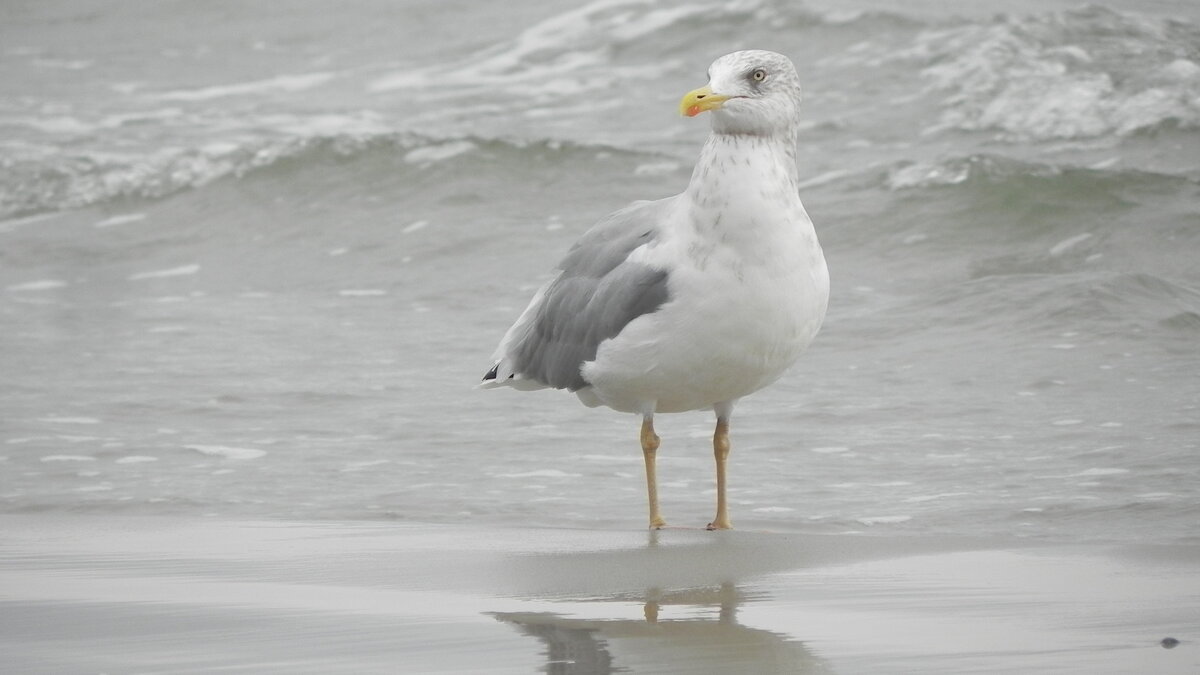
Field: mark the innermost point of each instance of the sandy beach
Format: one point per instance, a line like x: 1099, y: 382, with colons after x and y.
x: 159, y: 595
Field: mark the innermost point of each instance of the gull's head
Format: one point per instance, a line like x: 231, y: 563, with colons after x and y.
x: 750, y: 92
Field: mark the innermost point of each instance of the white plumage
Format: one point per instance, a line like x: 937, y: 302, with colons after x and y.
x: 693, y: 301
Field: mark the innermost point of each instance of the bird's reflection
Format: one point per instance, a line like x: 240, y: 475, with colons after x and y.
x: 689, y: 628
x: 569, y: 650
x: 660, y: 643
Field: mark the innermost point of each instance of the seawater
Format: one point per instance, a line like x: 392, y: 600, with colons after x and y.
x: 252, y: 264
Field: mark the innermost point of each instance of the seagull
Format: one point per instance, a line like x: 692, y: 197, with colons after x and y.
x: 693, y: 301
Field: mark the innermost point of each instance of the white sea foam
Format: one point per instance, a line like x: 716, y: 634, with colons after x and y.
x: 352, y: 467
x: 1100, y: 472
x: 920, y: 174
x: 68, y: 458
x: 929, y: 498
x: 227, y: 452
x: 348, y: 127
x: 64, y: 64
x: 438, y: 152
x: 136, y: 459
x: 39, y: 285
x: 56, y: 419
x: 181, y: 271
x: 630, y: 458
x: 1022, y: 78
x: 655, y: 168
x: 1156, y: 496
x: 286, y: 83
x: 540, y: 473
x: 14, y: 223
x: 1069, y: 243
x: 98, y: 487
x: 566, y: 53
x: 516, y: 61
x: 123, y: 219
x: 883, y: 520
x: 57, y: 124
x: 75, y: 126
x: 228, y: 143
x: 825, y: 178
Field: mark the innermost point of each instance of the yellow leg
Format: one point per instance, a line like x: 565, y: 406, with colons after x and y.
x: 649, y: 449
x: 721, y: 453
x: 650, y: 609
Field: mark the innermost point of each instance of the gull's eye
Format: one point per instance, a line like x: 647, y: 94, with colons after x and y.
x: 758, y: 75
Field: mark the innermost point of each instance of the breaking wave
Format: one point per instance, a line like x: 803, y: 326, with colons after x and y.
x: 1064, y: 75
x: 992, y: 170
x: 49, y: 181
x: 576, y: 50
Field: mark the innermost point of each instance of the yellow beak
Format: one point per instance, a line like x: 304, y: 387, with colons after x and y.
x: 700, y: 100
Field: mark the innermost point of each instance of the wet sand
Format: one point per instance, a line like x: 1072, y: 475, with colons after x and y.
x: 85, y: 594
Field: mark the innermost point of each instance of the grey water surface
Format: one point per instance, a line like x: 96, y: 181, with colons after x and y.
x: 253, y: 261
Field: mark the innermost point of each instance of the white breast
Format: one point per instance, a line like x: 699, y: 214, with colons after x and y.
x: 748, y: 291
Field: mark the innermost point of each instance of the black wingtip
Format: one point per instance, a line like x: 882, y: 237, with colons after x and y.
x: 491, y: 374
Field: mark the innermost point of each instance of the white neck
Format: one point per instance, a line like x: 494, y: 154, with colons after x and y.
x: 739, y: 174
x: 744, y: 160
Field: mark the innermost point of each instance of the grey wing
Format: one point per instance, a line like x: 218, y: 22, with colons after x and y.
x: 595, y: 295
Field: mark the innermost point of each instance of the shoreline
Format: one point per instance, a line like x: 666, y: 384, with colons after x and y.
x: 150, y: 594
